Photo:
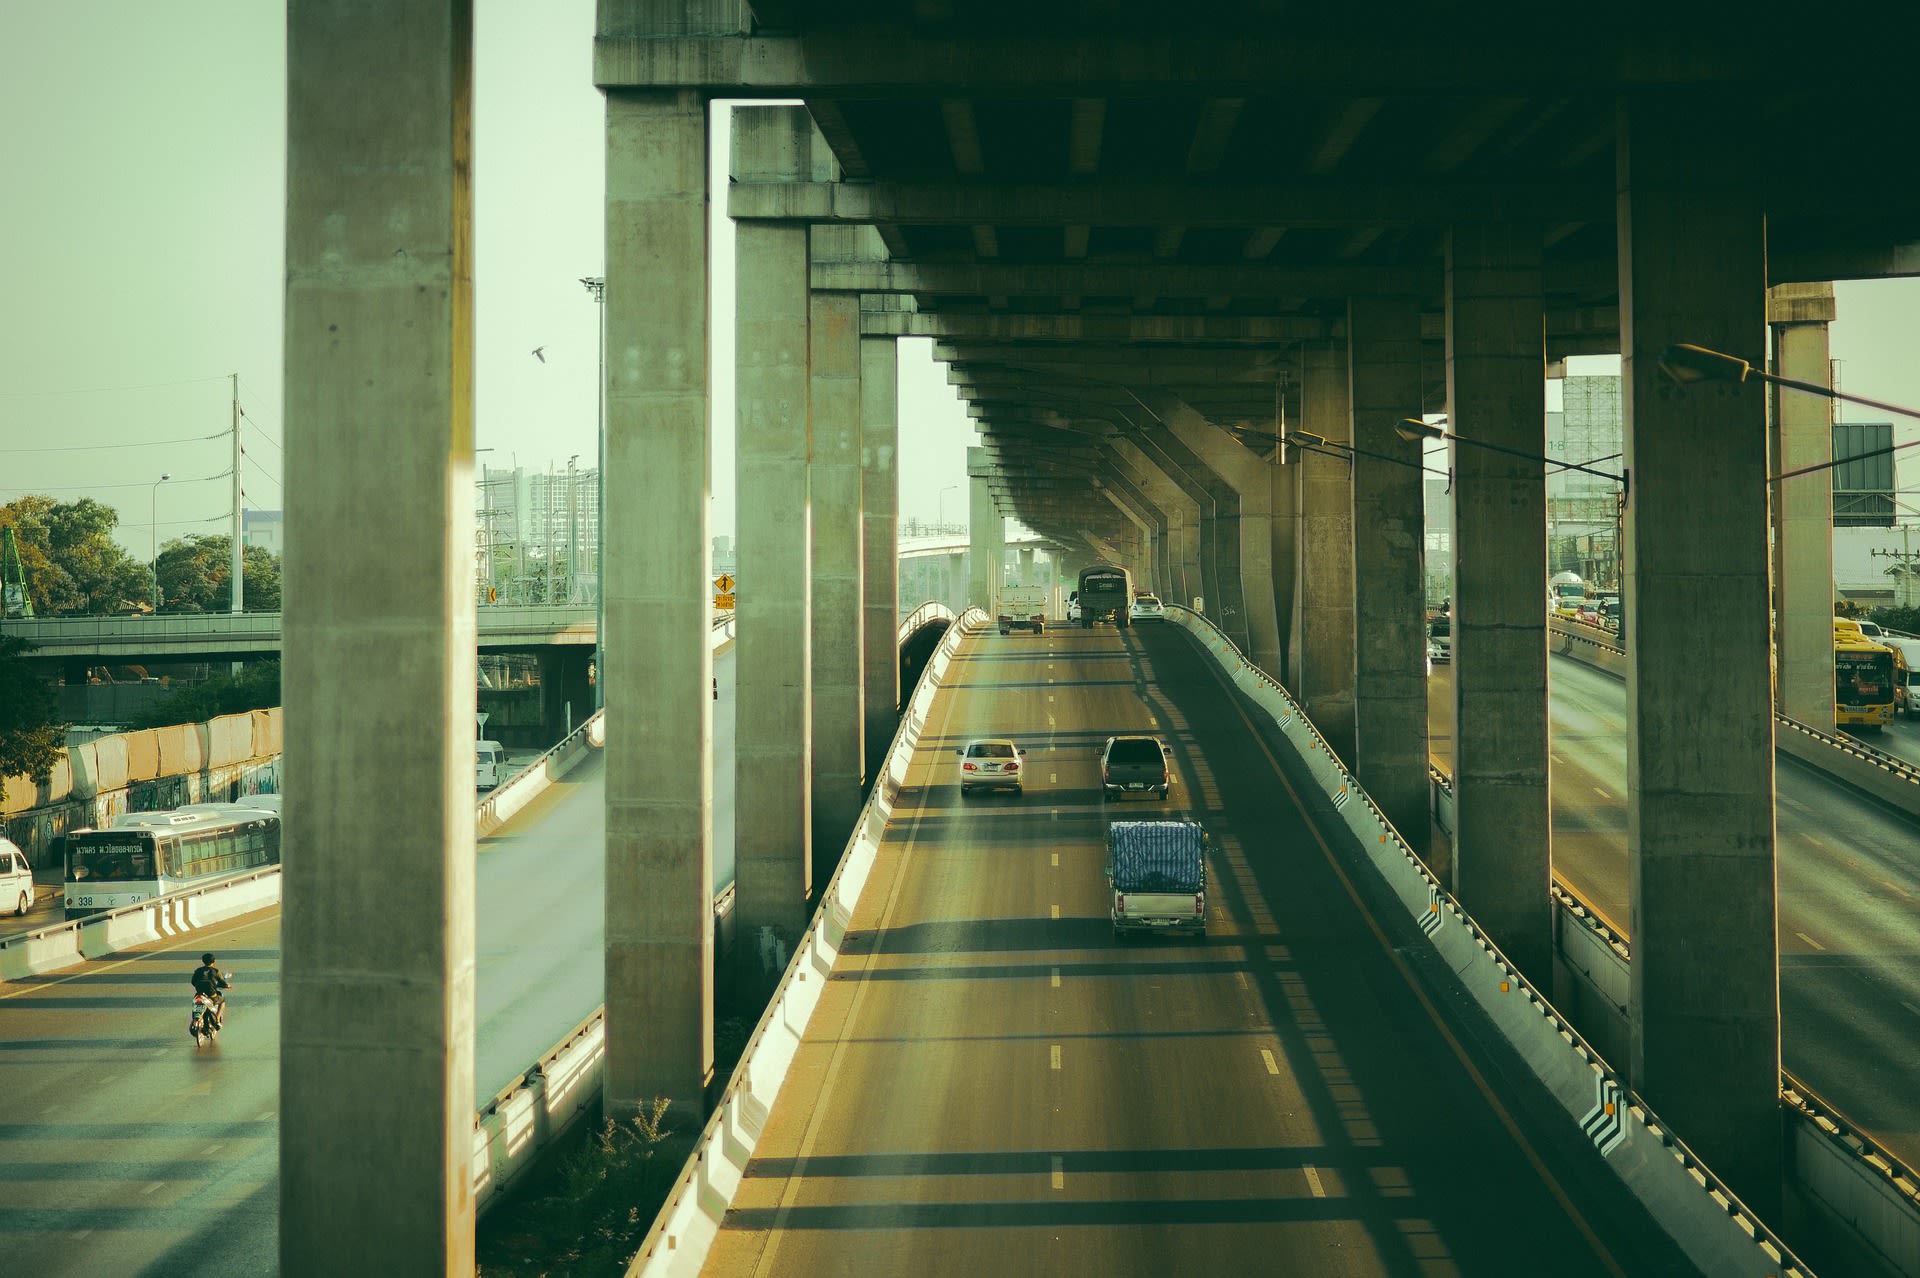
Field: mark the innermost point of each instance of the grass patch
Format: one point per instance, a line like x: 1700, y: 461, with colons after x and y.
x: 585, y: 1208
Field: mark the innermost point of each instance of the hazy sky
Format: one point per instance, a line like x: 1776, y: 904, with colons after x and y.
x: 142, y: 232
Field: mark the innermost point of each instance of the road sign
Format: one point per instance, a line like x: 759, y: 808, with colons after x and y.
x: 723, y: 603
x: 723, y: 584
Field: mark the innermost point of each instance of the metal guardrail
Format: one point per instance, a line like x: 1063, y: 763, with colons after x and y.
x: 1440, y: 900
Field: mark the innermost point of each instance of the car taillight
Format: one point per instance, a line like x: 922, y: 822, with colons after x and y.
x: 1011, y: 767
x: 969, y: 767
x: 1120, y: 902
x: 1199, y: 905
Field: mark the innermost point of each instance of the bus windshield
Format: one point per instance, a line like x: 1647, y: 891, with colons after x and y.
x: 1863, y: 678
x: 112, y: 860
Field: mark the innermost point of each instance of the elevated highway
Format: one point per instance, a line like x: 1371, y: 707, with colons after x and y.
x: 225, y: 635
x: 992, y: 1083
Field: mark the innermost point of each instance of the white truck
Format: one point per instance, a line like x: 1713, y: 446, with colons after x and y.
x: 1157, y: 871
x: 1021, y: 608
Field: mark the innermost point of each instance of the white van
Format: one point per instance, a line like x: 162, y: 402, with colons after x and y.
x: 16, y: 879
x: 489, y: 764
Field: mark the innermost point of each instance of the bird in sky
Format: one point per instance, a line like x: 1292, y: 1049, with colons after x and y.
x: 537, y: 355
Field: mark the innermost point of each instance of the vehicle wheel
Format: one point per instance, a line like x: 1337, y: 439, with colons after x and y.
x: 1003, y: 630
x: 1085, y: 624
x: 25, y: 904
x: 966, y: 791
x: 1163, y: 791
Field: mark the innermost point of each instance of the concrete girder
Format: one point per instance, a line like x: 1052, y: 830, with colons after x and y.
x: 1125, y: 330
x: 1310, y: 203
x: 1181, y: 512
x: 1154, y: 521
x: 966, y: 370
x: 1219, y: 528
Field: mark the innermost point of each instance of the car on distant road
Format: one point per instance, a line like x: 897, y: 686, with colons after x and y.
x: 1073, y: 608
x: 1147, y: 608
x: 990, y: 763
x: 16, y: 879
x: 1589, y: 615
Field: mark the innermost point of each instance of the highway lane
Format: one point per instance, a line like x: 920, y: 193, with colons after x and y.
x: 993, y: 1084
x: 1849, y: 884
x: 124, y: 1150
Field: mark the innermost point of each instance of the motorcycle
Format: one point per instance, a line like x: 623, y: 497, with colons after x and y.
x: 207, y: 1016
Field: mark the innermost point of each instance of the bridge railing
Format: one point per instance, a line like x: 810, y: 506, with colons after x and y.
x: 1693, y: 1205
x: 931, y: 610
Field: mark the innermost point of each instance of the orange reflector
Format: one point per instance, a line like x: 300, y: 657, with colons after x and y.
x: 1506, y: 987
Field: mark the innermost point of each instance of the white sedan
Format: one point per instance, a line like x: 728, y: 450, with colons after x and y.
x: 1147, y: 608
x: 990, y: 763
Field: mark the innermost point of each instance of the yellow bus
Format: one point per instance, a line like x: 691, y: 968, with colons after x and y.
x: 1863, y: 678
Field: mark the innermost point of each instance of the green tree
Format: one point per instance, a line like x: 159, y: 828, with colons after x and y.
x: 256, y: 688
x: 196, y: 574
x: 32, y: 736
x: 73, y: 564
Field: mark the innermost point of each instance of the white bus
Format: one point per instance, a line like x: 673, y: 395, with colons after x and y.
x: 145, y: 854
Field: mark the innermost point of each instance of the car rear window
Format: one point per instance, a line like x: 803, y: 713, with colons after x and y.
x: 1134, y: 750
x: 1148, y: 599
x: 989, y: 750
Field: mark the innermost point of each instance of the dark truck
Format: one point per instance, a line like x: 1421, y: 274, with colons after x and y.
x: 1105, y: 594
x: 1134, y: 765
x: 1158, y: 873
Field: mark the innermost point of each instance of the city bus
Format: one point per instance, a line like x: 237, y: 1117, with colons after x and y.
x: 1106, y: 593
x: 145, y: 854
x: 1863, y: 677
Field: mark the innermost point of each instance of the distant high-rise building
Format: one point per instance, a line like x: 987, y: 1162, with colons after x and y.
x: 262, y: 528
x: 537, y: 535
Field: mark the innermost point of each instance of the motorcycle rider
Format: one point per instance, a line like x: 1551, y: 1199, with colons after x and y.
x: 209, y: 980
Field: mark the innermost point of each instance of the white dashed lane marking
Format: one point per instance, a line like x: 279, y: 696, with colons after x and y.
x: 1056, y: 978
x: 1059, y: 1172
x: 1273, y: 1066
x: 1056, y: 911
x: 1810, y: 941
x: 1314, y: 1186
x: 1055, y: 1054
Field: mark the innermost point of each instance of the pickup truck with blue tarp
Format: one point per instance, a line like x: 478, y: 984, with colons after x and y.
x: 1157, y: 871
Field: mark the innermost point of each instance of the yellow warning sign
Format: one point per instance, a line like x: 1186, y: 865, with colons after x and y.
x: 723, y: 584
x: 723, y: 603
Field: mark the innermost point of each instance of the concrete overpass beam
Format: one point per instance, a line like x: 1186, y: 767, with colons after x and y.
x: 1496, y: 394
x: 1216, y: 529
x: 1323, y: 622
x: 880, y: 579
x: 377, y: 983
x: 659, y: 889
x: 1803, y: 507
x: 838, y: 606
x: 773, y: 733
x: 1247, y: 474
x: 1180, y: 511
x: 1389, y: 543
x: 986, y: 531
x: 1704, y: 1004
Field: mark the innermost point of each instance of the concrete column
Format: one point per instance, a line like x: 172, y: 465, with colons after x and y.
x: 566, y: 695
x: 1389, y: 541
x: 986, y: 533
x: 1179, y: 510
x: 377, y: 985
x: 1704, y: 1003
x: 1026, y: 566
x: 1153, y: 525
x: 880, y: 504
x: 659, y: 559
x: 1323, y: 599
x: 1496, y: 394
x: 1803, y: 506
x: 1217, y: 541
x: 838, y: 601
x: 773, y: 723
x: 1283, y: 489
x: 1251, y: 480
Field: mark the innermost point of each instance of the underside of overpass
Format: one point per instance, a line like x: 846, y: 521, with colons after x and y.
x: 1189, y: 271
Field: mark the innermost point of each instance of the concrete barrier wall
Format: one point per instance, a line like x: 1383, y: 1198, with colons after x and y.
x: 1683, y: 1195
x: 685, y: 1228
x: 1855, y: 1182
x: 61, y: 945
x: 528, y: 784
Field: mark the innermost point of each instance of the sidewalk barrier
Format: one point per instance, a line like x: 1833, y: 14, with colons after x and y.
x: 688, y: 1223
x: 1699, y: 1212
x: 537, y: 1108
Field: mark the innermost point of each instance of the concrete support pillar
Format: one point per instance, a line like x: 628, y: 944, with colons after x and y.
x: 566, y: 693
x: 380, y: 641
x: 773, y: 721
x: 1496, y: 395
x: 834, y: 483
x: 1216, y: 539
x: 1283, y: 489
x: 1149, y: 519
x: 1704, y: 1003
x: 986, y: 533
x: 1250, y: 477
x: 1026, y: 565
x: 1803, y: 506
x: 1389, y: 541
x: 880, y: 504
x: 1182, y: 515
x: 659, y: 559
x: 1322, y: 649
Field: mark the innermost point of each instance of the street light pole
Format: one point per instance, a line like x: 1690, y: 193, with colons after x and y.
x: 153, y: 535
x: 950, y: 488
x: 596, y: 286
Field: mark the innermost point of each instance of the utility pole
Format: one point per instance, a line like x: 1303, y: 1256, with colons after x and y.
x: 1906, y: 563
x: 596, y: 285
x: 239, y: 559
